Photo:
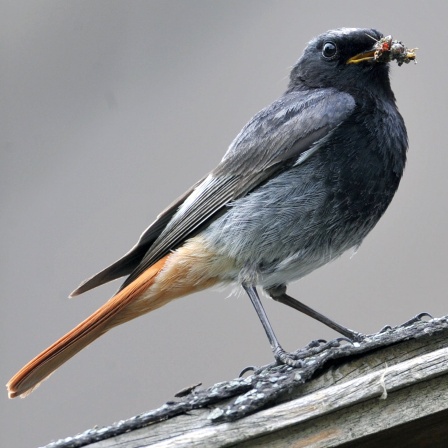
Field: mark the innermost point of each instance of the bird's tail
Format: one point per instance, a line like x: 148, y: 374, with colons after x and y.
x: 191, y: 268
x: 117, y: 310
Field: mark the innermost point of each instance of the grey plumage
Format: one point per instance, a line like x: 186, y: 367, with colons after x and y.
x: 306, y: 179
x: 279, y: 214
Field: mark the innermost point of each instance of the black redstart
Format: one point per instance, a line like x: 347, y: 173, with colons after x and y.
x: 305, y: 180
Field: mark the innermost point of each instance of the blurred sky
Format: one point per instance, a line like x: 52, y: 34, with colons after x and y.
x: 111, y: 109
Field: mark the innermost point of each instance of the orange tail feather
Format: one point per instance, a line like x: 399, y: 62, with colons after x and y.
x: 112, y: 313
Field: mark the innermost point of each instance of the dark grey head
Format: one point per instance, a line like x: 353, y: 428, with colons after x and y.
x: 341, y: 58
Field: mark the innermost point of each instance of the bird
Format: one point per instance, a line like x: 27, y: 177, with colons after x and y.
x: 306, y: 179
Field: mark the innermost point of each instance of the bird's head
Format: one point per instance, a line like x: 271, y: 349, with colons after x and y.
x: 348, y: 59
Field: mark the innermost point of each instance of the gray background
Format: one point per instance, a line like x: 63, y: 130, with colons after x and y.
x: 110, y: 110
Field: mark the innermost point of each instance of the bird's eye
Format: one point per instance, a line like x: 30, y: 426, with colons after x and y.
x: 329, y: 50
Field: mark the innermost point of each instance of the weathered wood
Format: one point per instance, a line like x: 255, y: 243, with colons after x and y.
x: 363, y: 396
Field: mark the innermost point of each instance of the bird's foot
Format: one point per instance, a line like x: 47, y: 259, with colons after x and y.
x: 353, y: 336
x: 253, y: 369
x: 295, y: 359
x: 419, y: 318
x: 287, y: 358
x: 321, y: 345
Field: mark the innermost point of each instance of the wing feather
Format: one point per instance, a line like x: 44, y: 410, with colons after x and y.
x: 274, y: 140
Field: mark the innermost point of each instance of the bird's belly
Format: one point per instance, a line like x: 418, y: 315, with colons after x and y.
x: 283, y: 230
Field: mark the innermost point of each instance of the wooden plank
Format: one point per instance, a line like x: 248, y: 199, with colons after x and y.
x: 370, y: 423
x: 345, y: 396
x: 383, y: 410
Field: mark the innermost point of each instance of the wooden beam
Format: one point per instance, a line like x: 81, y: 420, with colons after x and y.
x: 395, y: 394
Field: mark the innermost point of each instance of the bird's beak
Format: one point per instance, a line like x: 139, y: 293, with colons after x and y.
x: 361, y: 57
x: 386, y: 50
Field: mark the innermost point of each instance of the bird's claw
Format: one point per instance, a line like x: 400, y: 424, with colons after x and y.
x: 353, y: 337
x: 409, y: 322
x: 289, y: 359
x: 338, y: 341
x: 385, y: 328
x: 316, y: 343
x: 417, y: 318
x: 248, y: 369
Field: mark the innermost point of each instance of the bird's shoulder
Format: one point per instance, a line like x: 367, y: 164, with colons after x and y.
x: 297, y: 119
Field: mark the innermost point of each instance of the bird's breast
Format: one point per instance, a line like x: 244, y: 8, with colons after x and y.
x: 309, y: 214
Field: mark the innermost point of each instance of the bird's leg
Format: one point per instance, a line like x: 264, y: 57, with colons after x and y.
x: 279, y: 295
x: 280, y: 355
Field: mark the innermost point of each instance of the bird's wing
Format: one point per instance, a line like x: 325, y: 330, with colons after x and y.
x: 278, y: 137
x: 129, y: 261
